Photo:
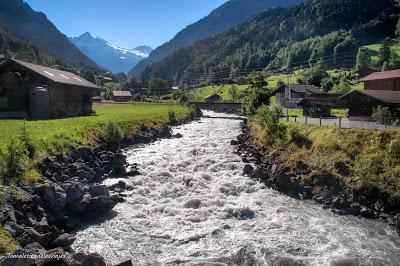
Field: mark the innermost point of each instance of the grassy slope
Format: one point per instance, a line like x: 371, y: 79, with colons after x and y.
x: 374, y: 49
x: 358, y: 157
x: 54, y: 135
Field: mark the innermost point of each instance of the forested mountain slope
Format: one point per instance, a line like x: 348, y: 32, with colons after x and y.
x: 221, y: 19
x: 34, y: 27
x: 284, y: 36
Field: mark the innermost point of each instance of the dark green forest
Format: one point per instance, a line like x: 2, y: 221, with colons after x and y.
x: 284, y: 38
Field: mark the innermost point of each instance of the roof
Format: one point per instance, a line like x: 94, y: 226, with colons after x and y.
x: 55, y: 75
x: 382, y: 75
x: 384, y: 96
x: 212, y: 96
x: 301, y: 88
x: 122, y: 93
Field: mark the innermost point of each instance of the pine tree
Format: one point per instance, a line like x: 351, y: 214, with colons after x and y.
x: 363, y: 59
x: 385, y: 52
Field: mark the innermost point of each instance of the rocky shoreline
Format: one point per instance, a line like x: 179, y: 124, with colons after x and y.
x: 325, y: 190
x: 42, y: 217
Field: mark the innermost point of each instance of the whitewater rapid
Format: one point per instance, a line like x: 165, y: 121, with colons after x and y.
x: 191, y: 205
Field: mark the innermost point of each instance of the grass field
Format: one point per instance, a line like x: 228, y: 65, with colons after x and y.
x: 52, y: 136
x: 223, y: 90
x: 374, y: 49
x: 335, y: 112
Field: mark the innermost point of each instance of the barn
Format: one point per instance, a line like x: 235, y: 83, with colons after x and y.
x: 38, y: 92
x: 121, y: 96
x: 213, y: 98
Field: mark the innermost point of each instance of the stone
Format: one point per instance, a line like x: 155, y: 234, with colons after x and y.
x: 64, y: 241
x: 74, y: 192
x: 53, y: 196
x: 43, y: 239
x: 125, y: 263
x: 234, y: 142
x: 248, y: 169
x: 93, y: 259
x: 118, y: 170
x: 102, y: 204
x: 119, y: 159
x: 340, y: 203
x: 24, y: 258
x: 99, y: 190
x: 178, y: 136
x: 14, y: 229
x: 83, y: 174
x: 35, y: 247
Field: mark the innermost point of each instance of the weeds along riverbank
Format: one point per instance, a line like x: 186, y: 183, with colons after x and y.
x: 45, y: 198
x: 351, y: 171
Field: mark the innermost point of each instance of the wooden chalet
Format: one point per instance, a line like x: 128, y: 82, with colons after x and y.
x: 290, y: 96
x: 29, y: 90
x: 321, y: 105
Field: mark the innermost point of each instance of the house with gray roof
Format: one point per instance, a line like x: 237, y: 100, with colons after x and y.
x: 30, y: 90
x: 291, y: 95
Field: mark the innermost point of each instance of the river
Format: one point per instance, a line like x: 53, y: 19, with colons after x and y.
x: 192, y: 206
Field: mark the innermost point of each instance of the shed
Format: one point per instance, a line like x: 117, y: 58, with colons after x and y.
x: 213, y: 98
x: 320, y: 105
x: 290, y: 96
x: 121, y: 96
x: 42, y: 92
x: 362, y: 102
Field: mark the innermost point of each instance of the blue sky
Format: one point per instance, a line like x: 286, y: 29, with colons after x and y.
x: 127, y: 23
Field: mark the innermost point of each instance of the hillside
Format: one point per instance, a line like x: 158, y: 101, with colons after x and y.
x: 12, y: 46
x: 111, y: 57
x: 221, y: 19
x: 329, y: 29
x: 35, y: 28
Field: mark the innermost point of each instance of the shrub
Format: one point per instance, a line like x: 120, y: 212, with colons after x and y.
x: 171, y: 117
x: 112, y: 137
x: 7, y: 244
x: 276, y: 130
x: 382, y: 115
x: 16, y: 162
x: 27, y: 141
x: 195, y: 111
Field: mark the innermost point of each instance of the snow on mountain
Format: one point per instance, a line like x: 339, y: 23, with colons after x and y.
x: 110, y: 56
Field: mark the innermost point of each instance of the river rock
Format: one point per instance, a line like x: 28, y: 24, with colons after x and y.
x: 14, y: 229
x: 99, y: 190
x: 178, y: 136
x: 64, y: 241
x: 119, y: 159
x: 102, y: 204
x: 93, y: 259
x: 23, y: 256
x: 52, y: 195
x: 125, y: 263
x: 248, y: 169
x: 74, y: 192
x: 43, y: 239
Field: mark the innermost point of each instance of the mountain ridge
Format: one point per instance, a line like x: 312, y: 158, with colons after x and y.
x: 109, y: 56
x: 226, y: 16
x: 35, y: 28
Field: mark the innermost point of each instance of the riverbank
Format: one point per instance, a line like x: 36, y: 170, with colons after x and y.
x: 41, y: 216
x: 347, y: 171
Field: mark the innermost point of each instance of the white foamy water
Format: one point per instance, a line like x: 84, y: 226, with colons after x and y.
x: 192, y: 206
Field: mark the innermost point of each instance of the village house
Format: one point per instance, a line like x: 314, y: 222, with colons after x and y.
x: 380, y: 89
x: 121, y: 96
x: 290, y: 96
x: 321, y: 105
x: 41, y: 92
x: 213, y: 98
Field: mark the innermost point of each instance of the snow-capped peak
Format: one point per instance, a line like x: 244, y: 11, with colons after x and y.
x: 131, y: 51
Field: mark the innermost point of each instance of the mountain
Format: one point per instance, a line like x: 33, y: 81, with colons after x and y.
x: 13, y: 46
x: 111, y: 57
x: 284, y: 37
x: 34, y: 27
x: 221, y: 19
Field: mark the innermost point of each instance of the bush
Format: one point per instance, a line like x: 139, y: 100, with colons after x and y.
x: 112, y: 137
x: 195, y: 111
x: 275, y: 129
x: 27, y: 141
x: 171, y: 117
x: 382, y: 115
x: 16, y: 162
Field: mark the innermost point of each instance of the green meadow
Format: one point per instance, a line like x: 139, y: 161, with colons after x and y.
x: 55, y: 135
